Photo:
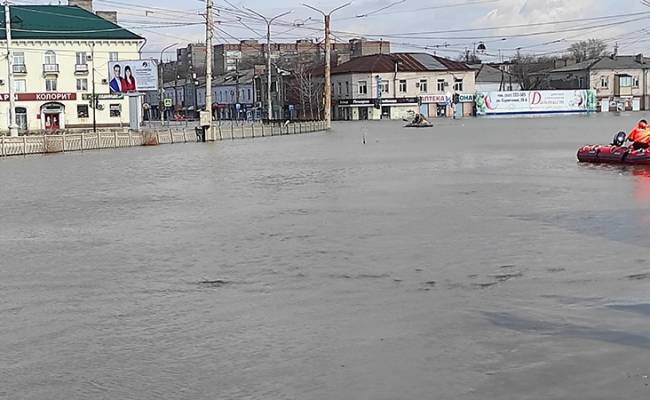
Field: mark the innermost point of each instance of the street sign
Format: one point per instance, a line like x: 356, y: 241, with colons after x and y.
x: 103, y: 96
x: 168, y: 102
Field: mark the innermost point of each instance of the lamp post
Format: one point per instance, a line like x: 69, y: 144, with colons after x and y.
x: 328, y: 72
x: 269, y: 21
x: 162, y: 83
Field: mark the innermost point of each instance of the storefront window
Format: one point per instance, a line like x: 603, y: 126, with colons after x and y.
x: 115, y: 110
x: 82, y: 111
x: 21, y: 118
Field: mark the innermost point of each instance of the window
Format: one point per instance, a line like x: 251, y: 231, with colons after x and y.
x: 441, y: 85
x: 82, y: 111
x: 115, y: 110
x: 625, y: 81
x: 347, y: 87
x: 249, y: 96
x: 20, y: 85
x: 274, y: 87
x: 21, y: 118
x: 402, y: 85
x: 50, y: 57
x: 340, y: 90
x: 81, y: 58
x: 363, y: 87
x: 581, y: 82
x: 50, y: 85
x: 112, y: 56
x: 636, y: 82
x: 423, y: 86
x: 458, y: 84
x: 384, y: 87
x: 604, y: 82
x: 82, y: 85
x: 19, y: 58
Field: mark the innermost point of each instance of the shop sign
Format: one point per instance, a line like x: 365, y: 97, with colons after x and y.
x: 48, y: 96
x: 433, y: 98
x: 540, y: 101
x: 466, y: 98
x: 368, y: 102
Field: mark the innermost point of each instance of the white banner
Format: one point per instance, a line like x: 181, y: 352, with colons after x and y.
x: 532, y: 102
x: 133, y: 76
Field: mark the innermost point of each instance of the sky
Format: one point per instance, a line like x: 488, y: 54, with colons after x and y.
x: 434, y: 26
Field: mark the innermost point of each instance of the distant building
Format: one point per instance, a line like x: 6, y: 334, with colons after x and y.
x: 621, y: 82
x: 52, y: 67
x: 397, y: 85
x: 492, y: 79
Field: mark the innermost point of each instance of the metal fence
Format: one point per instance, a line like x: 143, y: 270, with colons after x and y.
x: 35, y: 144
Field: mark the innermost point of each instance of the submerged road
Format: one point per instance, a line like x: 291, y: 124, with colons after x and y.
x: 474, y: 260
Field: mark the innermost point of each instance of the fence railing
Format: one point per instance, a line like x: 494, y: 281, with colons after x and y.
x: 35, y: 144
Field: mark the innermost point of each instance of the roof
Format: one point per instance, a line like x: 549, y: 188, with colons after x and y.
x: 406, y: 62
x: 61, y: 22
x: 489, y: 74
x: 608, y: 62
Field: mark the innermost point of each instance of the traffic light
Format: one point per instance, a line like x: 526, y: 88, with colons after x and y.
x: 378, y: 104
x: 456, y: 98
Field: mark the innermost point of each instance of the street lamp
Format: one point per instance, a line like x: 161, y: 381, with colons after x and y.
x: 269, y: 21
x: 328, y: 77
x: 162, y: 82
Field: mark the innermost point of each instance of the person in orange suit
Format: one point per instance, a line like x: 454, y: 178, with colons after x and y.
x: 639, y: 136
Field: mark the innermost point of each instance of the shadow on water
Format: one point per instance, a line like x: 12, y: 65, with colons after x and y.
x: 520, y: 324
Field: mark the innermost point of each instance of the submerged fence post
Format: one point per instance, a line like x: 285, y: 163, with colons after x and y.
x: 115, y: 139
x: 63, y: 142
x: 2, y: 145
x: 25, y: 145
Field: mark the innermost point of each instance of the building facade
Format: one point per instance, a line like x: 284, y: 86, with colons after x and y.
x: 398, y: 85
x: 53, y: 68
x: 621, y: 82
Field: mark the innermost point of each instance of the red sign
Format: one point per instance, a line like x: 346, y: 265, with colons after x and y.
x: 48, y: 96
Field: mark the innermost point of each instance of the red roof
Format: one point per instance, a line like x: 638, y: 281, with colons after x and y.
x: 406, y: 62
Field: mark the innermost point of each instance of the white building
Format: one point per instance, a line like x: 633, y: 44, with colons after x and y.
x: 398, y: 85
x: 55, y: 50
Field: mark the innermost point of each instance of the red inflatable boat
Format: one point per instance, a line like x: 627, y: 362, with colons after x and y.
x: 615, y: 153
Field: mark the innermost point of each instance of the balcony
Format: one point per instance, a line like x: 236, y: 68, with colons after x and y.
x: 19, y: 69
x: 81, y: 69
x: 50, y: 69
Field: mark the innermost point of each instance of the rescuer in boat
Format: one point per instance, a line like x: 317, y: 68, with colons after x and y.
x: 640, y: 136
x: 419, y: 120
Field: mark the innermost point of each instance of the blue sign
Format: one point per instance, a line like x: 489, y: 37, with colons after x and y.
x: 238, y: 106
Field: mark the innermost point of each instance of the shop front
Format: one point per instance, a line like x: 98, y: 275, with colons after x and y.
x: 441, y: 106
x: 385, y: 108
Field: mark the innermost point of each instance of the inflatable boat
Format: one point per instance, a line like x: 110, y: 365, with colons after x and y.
x: 418, y: 125
x: 614, y: 153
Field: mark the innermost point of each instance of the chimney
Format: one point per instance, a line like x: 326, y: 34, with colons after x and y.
x: 108, y: 15
x: 85, y: 4
x: 639, y: 58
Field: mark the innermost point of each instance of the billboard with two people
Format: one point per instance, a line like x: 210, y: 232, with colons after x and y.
x: 133, y: 76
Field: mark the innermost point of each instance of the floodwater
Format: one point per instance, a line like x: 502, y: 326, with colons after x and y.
x: 474, y: 260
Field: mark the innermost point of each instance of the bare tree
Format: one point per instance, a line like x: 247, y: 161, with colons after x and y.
x: 587, y: 49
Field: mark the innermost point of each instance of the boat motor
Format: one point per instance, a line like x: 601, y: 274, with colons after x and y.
x: 619, y: 139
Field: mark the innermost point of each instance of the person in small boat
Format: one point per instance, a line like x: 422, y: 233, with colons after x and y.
x: 640, y: 136
x: 419, y: 120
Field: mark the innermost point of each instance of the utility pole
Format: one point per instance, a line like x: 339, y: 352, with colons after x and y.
x: 13, y: 129
x: 208, y: 66
x: 161, y: 82
x: 328, y: 71
x: 268, y: 57
x: 237, y: 87
x: 94, y: 96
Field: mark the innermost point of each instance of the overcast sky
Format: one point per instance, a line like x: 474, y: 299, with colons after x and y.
x: 410, y: 17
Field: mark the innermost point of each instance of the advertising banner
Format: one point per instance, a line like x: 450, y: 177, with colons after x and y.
x: 535, y: 102
x: 132, y: 76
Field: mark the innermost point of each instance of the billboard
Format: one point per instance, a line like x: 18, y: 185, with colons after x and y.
x: 132, y: 76
x: 535, y: 102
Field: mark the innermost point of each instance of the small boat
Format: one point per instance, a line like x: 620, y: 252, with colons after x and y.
x: 614, y: 153
x: 418, y: 125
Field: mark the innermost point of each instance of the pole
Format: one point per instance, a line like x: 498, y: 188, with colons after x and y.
x: 237, y: 87
x: 161, y: 82
x: 328, y: 75
x: 328, y: 70
x: 94, y: 96
x: 268, y: 56
x: 268, y: 71
x: 208, y: 66
x: 13, y: 129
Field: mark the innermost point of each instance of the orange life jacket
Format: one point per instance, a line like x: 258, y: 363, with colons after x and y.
x: 636, y: 134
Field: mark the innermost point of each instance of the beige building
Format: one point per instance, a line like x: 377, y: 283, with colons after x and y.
x: 54, y: 52
x: 621, y: 82
x: 398, y: 85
